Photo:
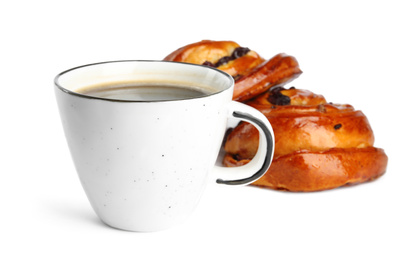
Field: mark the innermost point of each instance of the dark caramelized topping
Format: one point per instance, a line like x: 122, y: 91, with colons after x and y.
x: 237, y: 53
x: 277, y: 98
x: 209, y: 64
x: 240, y: 52
x: 237, y: 77
x: 223, y: 60
x: 237, y: 157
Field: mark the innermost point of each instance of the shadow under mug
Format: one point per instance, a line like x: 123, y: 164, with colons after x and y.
x: 144, y: 164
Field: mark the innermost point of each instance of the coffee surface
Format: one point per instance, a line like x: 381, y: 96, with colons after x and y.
x: 145, y: 92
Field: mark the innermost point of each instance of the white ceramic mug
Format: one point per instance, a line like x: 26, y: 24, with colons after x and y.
x: 144, y: 164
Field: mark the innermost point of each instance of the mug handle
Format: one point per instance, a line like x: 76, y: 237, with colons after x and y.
x: 260, y: 163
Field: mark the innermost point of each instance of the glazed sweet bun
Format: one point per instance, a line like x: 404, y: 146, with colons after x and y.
x: 253, y: 75
x: 318, y: 145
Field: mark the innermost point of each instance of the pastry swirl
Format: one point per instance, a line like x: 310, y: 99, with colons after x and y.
x: 318, y: 145
x: 253, y: 75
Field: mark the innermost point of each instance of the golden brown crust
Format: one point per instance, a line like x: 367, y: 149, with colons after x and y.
x: 278, y: 70
x: 242, y: 66
x: 316, y: 171
x: 202, y: 51
x: 309, y: 127
x: 253, y: 74
x: 318, y: 145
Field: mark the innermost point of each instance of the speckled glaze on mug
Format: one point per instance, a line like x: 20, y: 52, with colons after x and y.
x: 144, y: 164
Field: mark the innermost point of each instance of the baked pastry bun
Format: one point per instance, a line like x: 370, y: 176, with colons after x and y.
x: 253, y: 75
x: 318, y: 145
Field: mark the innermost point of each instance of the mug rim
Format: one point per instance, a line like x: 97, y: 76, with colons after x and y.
x: 71, y: 92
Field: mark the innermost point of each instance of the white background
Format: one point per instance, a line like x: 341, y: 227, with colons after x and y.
x: 364, y: 53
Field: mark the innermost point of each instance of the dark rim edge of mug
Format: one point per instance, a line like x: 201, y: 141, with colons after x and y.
x: 138, y: 101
